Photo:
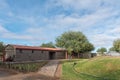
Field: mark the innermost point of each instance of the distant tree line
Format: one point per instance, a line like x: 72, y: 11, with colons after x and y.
x: 115, y: 47
x: 49, y: 45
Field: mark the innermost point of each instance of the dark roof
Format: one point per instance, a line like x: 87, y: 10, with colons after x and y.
x: 36, y: 48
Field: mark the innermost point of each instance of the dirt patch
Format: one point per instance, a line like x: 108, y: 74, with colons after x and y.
x: 37, y: 77
x: 7, y: 72
x: 58, y: 72
x: 50, y: 71
x: 4, y: 74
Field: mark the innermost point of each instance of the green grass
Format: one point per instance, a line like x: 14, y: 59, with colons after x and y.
x: 99, y: 68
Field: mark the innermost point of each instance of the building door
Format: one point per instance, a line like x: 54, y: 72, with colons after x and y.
x: 51, y: 55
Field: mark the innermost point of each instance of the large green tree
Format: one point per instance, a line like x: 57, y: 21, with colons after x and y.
x: 1, y: 48
x: 116, y: 45
x: 49, y: 44
x: 101, y: 50
x: 74, y: 41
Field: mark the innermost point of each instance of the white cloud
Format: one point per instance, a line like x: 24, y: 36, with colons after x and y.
x: 5, y: 8
x: 100, y: 13
x: 3, y: 30
x: 105, y: 37
x: 80, y: 22
x: 87, y: 4
x: 3, y: 4
x: 28, y: 35
x: 80, y: 4
x: 115, y: 30
x: 62, y: 22
x: 102, y: 40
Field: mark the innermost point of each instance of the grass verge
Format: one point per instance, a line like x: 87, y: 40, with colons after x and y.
x: 99, y: 68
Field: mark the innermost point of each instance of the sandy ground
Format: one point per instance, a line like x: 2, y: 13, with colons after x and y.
x: 50, y: 71
x: 4, y: 73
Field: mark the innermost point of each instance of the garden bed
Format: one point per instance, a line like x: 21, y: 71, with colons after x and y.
x: 23, y: 67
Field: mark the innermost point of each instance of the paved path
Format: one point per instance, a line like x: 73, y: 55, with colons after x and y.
x: 47, y: 72
x: 49, y: 69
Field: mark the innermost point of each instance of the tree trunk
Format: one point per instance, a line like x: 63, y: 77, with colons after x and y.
x: 78, y: 55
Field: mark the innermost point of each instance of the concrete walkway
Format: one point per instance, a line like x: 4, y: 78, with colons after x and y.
x: 47, y: 72
x: 49, y: 69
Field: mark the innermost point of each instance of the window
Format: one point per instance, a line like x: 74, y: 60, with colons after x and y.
x: 20, y: 51
x: 32, y: 51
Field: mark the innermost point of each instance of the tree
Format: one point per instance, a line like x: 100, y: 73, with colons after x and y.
x: 50, y: 45
x: 112, y: 49
x: 102, y: 50
x: 116, y: 45
x: 74, y: 42
x: 1, y: 47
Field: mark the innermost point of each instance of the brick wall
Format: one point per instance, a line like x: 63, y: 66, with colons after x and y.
x: 29, y: 55
x: 60, y: 55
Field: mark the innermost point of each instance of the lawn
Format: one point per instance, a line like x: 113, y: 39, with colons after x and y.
x: 99, y: 68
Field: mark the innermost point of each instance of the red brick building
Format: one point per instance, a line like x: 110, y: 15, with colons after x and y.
x: 32, y: 53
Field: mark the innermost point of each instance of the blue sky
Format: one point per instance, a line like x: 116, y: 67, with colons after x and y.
x: 32, y: 22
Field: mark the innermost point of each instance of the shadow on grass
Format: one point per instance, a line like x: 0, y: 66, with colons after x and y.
x: 71, y: 60
x: 103, y: 77
x: 113, y: 75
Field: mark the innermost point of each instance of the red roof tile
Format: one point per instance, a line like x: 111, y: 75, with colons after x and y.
x: 36, y: 48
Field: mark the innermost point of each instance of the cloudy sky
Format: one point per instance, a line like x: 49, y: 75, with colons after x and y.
x: 32, y: 22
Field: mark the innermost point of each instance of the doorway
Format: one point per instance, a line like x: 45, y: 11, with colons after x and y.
x: 51, y: 55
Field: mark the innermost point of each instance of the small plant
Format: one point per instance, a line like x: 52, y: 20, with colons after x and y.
x: 24, y: 67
